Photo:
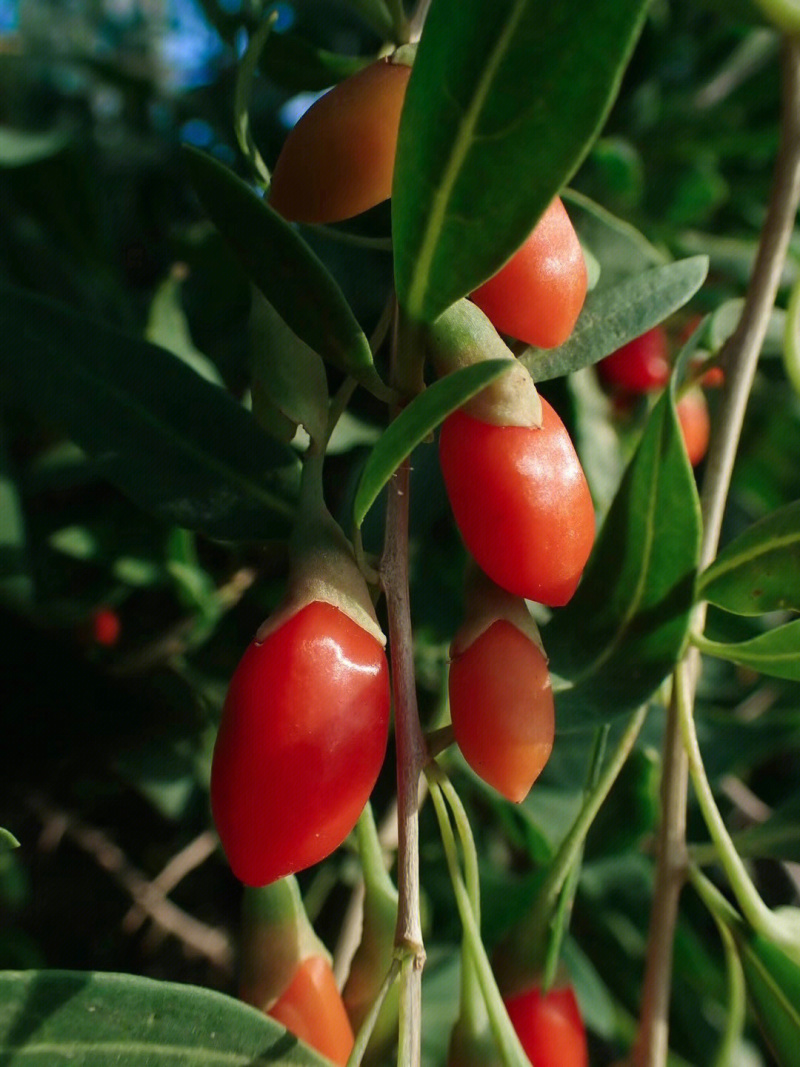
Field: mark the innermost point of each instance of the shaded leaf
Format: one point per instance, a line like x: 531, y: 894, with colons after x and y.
x: 16, y: 582
x: 297, y: 65
x: 21, y: 148
x: 773, y: 985
x: 177, y: 445
x: 50, y: 1018
x: 500, y: 92
x: 7, y: 841
x: 760, y: 570
x: 167, y: 327
x: 626, y: 626
x: 612, y: 317
x: 284, y: 268
x: 288, y: 378
x: 415, y: 422
x: 776, y: 653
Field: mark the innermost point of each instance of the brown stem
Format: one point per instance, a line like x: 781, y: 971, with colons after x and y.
x: 411, y: 756
x: 739, y: 357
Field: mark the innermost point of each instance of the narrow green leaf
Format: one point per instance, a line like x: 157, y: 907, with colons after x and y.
x: 177, y: 445
x: 283, y: 267
x: 21, y: 148
x: 415, y: 422
x: 16, y: 581
x: 773, y: 985
x: 612, y: 317
x: 504, y: 101
x: 288, y: 377
x: 294, y: 63
x: 760, y: 570
x: 243, y: 90
x: 168, y: 328
x: 776, y: 653
x: 626, y: 626
x: 7, y: 841
x: 55, y: 1018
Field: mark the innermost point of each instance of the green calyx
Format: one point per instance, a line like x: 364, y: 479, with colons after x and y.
x: 375, y: 951
x: 276, y: 938
x: 463, y: 336
x: 486, y: 603
x: 323, y: 566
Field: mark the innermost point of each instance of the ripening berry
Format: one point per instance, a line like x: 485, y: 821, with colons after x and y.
x: 521, y: 503
x: 537, y: 296
x: 300, y: 745
x: 339, y: 159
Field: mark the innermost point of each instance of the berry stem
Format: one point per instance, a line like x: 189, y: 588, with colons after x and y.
x: 410, y: 742
x: 739, y: 357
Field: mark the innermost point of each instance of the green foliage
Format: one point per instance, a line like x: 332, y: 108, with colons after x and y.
x: 49, y: 1017
x: 633, y: 604
x: 179, y: 446
x: 518, y: 106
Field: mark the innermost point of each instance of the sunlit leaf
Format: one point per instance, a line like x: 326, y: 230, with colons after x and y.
x: 776, y: 653
x: 48, y: 1018
x: 612, y: 317
x: 503, y: 103
x: 760, y: 570
x: 626, y: 626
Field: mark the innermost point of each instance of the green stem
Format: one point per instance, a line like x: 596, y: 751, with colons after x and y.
x: 370, y: 851
x: 571, y: 846
x: 366, y: 1028
x: 729, y: 1052
x: 508, y: 1044
x: 739, y: 357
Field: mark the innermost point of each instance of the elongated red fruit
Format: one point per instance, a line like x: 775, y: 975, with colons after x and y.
x: 537, y: 296
x: 521, y: 502
x: 339, y: 159
x: 313, y: 1010
x: 501, y: 704
x: 301, y: 742
x: 640, y: 366
x: 695, y: 423
x: 550, y: 1027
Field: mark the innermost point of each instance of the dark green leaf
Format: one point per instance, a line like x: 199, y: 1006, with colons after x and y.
x: 415, y: 422
x: 626, y: 626
x: 288, y: 377
x: 504, y: 101
x: 760, y: 570
x: 773, y: 985
x: 295, y: 64
x: 180, y: 447
x: 55, y: 1018
x: 284, y: 268
x: 776, y: 653
x: 612, y: 317
x: 16, y: 583
x: 7, y: 841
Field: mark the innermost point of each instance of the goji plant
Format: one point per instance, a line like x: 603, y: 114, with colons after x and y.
x: 399, y: 536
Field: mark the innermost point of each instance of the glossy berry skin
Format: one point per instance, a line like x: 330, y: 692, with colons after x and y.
x: 521, y: 502
x: 501, y: 704
x: 549, y: 1027
x: 537, y: 296
x: 695, y: 424
x: 339, y: 159
x: 641, y: 366
x: 312, y: 1008
x: 300, y: 745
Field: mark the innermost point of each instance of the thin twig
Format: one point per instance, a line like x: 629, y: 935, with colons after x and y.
x: 739, y: 357
x: 172, y: 874
x: 174, y: 641
x: 196, y: 936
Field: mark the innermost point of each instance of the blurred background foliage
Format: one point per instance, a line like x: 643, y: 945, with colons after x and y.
x: 107, y: 736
